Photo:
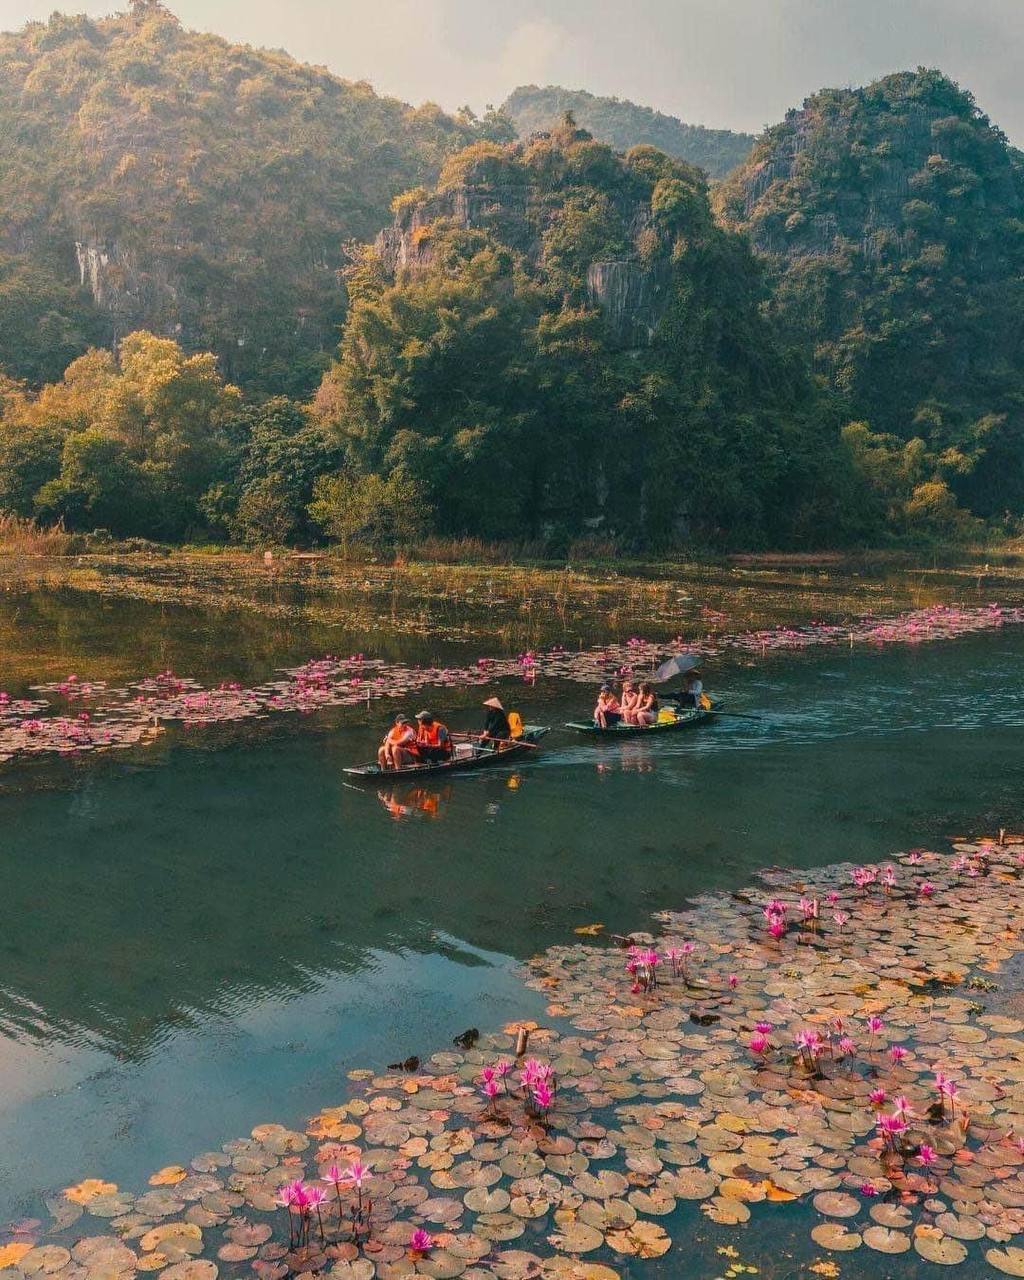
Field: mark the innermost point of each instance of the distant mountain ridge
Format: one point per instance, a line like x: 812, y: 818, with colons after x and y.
x: 624, y: 124
x: 195, y: 187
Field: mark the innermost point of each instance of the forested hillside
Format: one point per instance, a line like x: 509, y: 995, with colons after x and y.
x: 241, y: 298
x: 561, y: 338
x: 197, y: 188
x: 625, y: 124
x: 891, y: 219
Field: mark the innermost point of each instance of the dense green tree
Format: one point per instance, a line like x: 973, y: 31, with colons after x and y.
x: 380, y: 514
x: 278, y: 453
x: 484, y: 363
x: 128, y: 444
x: 45, y: 321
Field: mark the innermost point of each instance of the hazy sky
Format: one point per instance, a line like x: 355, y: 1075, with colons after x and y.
x: 732, y: 63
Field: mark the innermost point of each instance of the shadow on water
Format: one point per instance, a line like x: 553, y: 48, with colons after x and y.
x: 200, y: 944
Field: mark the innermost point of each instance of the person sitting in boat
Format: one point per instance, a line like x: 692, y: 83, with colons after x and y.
x: 647, y: 705
x: 693, y: 688
x: 399, y: 749
x: 432, y: 739
x: 497, y: 729
x: 608, y: 711
x: 628, y: 702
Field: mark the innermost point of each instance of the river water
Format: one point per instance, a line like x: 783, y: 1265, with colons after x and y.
x: 209, y: 937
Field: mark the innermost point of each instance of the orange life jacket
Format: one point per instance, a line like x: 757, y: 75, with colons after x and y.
x: 430, y: 735
x: 398, y: 737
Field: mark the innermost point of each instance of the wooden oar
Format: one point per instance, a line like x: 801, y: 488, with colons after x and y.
x: 508, y: 742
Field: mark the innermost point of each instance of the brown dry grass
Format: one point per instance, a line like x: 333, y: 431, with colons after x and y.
x: 20, y: 536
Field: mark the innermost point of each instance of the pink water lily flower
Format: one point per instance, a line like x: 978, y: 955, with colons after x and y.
x: 897, y: 1053
x: 877, y: 1097
x: 421, y: 1241
x: 926, y: 1154
x: 357, y: 1173
x: 542, y: 1096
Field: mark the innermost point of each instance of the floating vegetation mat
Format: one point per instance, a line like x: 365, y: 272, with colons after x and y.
x: 105, y: 718
x: 825, y: 1063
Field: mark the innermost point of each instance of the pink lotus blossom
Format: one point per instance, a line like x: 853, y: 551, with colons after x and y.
x: 877, y: 1097
x: 421, y: 1241
x: 925, y: 889
x: 875, y: 1024
x: 868, y: 1189
x: 840, y: 917
x: 733, y: 981
x: 926, y: 1154
x: 897, y: 1053
x: 847, y: 1046
x: 542, y: 1096
x: 832, y: 897
x: 764, y: 1028
x: 357, y: 1173
x: 759, y: 1043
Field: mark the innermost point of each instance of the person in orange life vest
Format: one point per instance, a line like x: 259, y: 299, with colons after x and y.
x: 399, y: 749
x: 432, y: 738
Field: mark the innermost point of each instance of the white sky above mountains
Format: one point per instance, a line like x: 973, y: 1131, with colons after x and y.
x: 735, y: 64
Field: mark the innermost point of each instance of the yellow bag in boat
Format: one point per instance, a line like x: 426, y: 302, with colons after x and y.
x: 515, y: 724
x: 666, y: 716
x: 705, y: 702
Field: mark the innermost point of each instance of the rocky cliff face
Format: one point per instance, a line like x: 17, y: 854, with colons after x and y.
x: 630, y: 296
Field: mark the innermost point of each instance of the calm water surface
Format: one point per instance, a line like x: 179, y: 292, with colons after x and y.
x: 209, y: 939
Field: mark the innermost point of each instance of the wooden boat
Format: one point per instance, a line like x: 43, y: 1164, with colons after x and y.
x: 688, y: 719
x: 479, y: 758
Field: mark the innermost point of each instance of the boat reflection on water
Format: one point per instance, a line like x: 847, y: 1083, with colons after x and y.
x: 414, y: 800
x: 630, y: 756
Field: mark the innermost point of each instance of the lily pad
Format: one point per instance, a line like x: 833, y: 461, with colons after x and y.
x: 834, y: 1236
x: 936, y: 1247
x: 885, y: 1240
x: 1009, y: 1260
x: 641, y: 1240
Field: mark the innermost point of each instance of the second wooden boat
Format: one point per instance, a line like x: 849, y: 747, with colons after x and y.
x: 688, y: 719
